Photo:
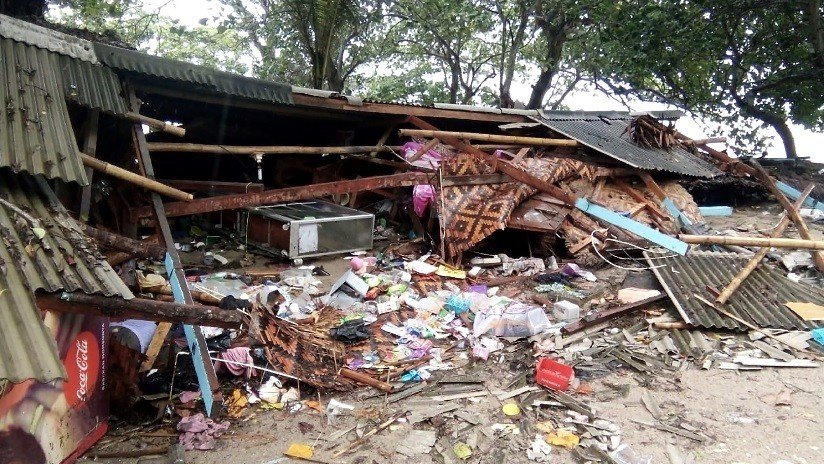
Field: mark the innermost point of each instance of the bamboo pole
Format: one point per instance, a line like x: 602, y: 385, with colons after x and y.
x: 156, y: 124
x: 533, y: 141
x: 800, y: 244
x: 753, y: 263
x: 699, y: 142
x: 266, y: 149
x: 135, y: 179
x: 366, y: 380
x: 803, y: 230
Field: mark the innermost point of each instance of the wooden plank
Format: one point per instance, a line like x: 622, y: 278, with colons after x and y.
x: 90, y: 149
x: 432, y: 143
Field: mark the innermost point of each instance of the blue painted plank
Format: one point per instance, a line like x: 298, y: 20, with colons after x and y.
x: 715, y: 210
x: 793, y: 194
x: 670, y: 206
x: 196, y: 349
x: 633, y: 226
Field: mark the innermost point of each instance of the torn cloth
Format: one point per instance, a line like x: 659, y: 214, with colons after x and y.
x: 241, y: 354
x: 473, y: 212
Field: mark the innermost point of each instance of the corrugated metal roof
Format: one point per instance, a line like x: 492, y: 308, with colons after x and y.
x: 759, y: 301
x: 92, y: 86
x: 213, y: 80
x: 37, y: 134
x: 604, y: 132
x: 64, y: 259
x: 47, y: 39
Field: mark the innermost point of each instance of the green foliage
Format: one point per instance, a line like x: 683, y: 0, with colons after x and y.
x: 746, y: 63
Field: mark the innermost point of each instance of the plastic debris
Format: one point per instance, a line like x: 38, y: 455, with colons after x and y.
x: 511, y: 409
x: 462, y: 450
x: 539, y: 450
x: 563, y: 438
x: 300, y: 451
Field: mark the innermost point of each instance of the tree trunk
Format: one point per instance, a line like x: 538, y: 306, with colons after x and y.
x: 816, y: 32
x: 777, y: 122
x: 555, y: 36
x: 455, y: 83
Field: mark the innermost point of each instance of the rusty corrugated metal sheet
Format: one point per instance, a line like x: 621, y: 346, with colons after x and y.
x: 64, y: 259
x: 90, y: 85
x: 134, y: 62
x: 47, y: 39
x: 35, y: 130
x: 759, y: 301
x: 604, y: 132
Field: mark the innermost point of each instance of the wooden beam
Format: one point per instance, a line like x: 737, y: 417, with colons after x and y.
x: 513, y: 139
x: 792, y: 212
x: 424, y: 149
x: 267, y: 197
x: 156, y: 124
x: 753, y: 263
x: 213, y: 187
x: 121, y: 243
x: 611, y: 313
x: 140, y: 308
x: 90, y: 149
x: 156, y: 147
x: 753, y: 241
x: 136, y: 179
x: 640, y: 198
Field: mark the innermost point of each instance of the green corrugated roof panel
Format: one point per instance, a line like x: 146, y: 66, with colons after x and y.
x: 63, y: 260
x: 206, y: 78
x: 35, y: 130
x: 90, y: 85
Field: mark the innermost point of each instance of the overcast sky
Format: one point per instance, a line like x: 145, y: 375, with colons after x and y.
x: 809, y: 143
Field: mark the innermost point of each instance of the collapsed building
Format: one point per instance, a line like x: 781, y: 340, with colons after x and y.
x: 108, y: 156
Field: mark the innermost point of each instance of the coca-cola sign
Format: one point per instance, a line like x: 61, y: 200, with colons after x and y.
x: 82, y: 367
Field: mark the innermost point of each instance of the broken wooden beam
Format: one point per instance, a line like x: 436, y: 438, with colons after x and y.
x: 366, y: 380
x: 135, y: 179
x: 121, y: 243
x: 792, y: 212
x: 139, y: 308
x: 800, y: 244
x: 268, y: 197
x: 156, y: 124
x: 736, y: 281
x: 612, y: 313
x: 495, y: 138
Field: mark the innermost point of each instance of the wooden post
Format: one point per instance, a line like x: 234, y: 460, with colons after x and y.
x: 494, y: 138
x: 196, y: 342
x: 129, y: 176
x: 736, y: 282
x: 796, y: 218
x: 90, y: 149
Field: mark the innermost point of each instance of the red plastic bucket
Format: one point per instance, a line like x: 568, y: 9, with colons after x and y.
x: 553, y: 375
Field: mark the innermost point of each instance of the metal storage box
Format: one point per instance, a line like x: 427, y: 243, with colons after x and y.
x: 311, y: 228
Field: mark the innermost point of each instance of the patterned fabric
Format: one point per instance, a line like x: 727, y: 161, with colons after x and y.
x: 471, y: 213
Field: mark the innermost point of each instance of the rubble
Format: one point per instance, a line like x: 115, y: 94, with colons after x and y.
x: 435, y: 297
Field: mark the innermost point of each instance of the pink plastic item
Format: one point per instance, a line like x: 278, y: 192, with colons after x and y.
x: 553, y: 375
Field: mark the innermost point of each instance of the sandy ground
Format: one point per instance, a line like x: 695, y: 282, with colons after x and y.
x: 727, y: 407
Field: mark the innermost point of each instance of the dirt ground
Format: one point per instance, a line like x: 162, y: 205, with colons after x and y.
x: 731, y: 408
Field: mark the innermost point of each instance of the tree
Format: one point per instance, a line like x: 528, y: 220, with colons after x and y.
x: 453, y: 37
x: 748, y: 63
x: 334, y: 37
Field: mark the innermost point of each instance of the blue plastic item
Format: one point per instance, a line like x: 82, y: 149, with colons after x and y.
x: 818, y: 336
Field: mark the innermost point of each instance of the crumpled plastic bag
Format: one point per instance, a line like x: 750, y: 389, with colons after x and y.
x: 351, y: 331
x: 199, y: 432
